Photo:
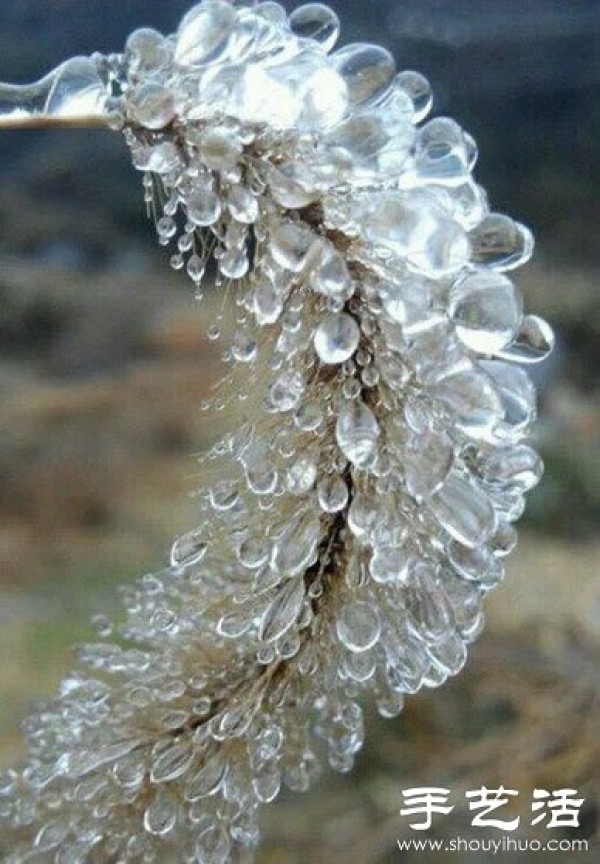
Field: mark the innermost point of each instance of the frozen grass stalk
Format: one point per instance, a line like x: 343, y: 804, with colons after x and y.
x: 365, y: 508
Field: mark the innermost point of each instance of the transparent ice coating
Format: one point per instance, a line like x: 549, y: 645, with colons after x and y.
x: 73, y: 93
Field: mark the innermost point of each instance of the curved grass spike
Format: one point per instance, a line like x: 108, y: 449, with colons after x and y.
x: 363, y: 511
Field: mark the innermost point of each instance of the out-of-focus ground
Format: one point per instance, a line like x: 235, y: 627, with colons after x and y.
x: 105, y: 359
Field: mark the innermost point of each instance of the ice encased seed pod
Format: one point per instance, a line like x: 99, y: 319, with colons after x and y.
x: 349, y: 529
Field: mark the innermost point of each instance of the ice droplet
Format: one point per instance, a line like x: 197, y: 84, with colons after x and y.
x: 333, y: 494
x: 358, y: 626
x: 204, y: 32
x: 357, y: 433
x: 464, y: 510
x: 336, y: 338
x: 487, y: 310
x: 318, y: 22
x: 368, y: 71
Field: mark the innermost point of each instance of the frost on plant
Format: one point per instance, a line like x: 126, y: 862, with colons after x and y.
x: 365, y: 508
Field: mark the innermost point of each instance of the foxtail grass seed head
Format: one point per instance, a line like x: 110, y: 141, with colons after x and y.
x: 364, y: 511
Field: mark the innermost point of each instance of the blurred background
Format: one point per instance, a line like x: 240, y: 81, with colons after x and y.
x: 104, y: 360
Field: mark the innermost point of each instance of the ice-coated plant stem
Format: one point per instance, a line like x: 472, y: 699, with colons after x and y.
x: 362, y: 511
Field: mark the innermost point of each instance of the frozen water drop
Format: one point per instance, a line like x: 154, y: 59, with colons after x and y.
x: 203, y: 207
x: 487, y: 310
x: 213, y: 846
x: 333, y: 494
x: 501, y: 243
x: 533, y: 343
x: 318, y: 22
x: 151, y: 105
x: 147, y: 50
x: 234, y: 264
x: 336, y: 338
x: 243, y: 205
x: 368, y: 71
x: 441, y: 153
x: 301, y: 476
x: 220, y: 149
x: 204, y: 33
x: 358, y: 626
x: 329, y: 272
x: 464, y: 510
x: 357, y: 433
x: 390, y: 563
x: 290, y: 245
x: 161, y: 814
x: 418, y: 89
x: 427, y: 463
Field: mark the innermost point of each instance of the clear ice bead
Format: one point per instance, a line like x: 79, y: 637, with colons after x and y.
x: 390, y: 564
x: 284, y: 610
x: 441, y: 153
x: 414, y: 227
x: 295, y: 549
x: 464, y: 510
x: 317, y: 22
x: 259, y: 97
x: 292, y: 185
x: 470, y: 397
x: 533, y: 343
x: 358, y: 626
x: 151, y: 105
x: 501, y: 243
x: 333, y: 494
x: 147, y: 50
x: 519, y: 467
x: 290, y: 245
x: 213, y: 846
x: 220, y: 149
x: 418, y: 89
x: 487, y: 310
x: 368, y: 71
x: 301, y: 476
x: 161, y: 814
x: 336, y: 338
x: 329, y: 274
x: 427, y: 464
x: 357, y: 433
x: 203, y: 207
x: 204, y: 33
x: 516, y: 394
